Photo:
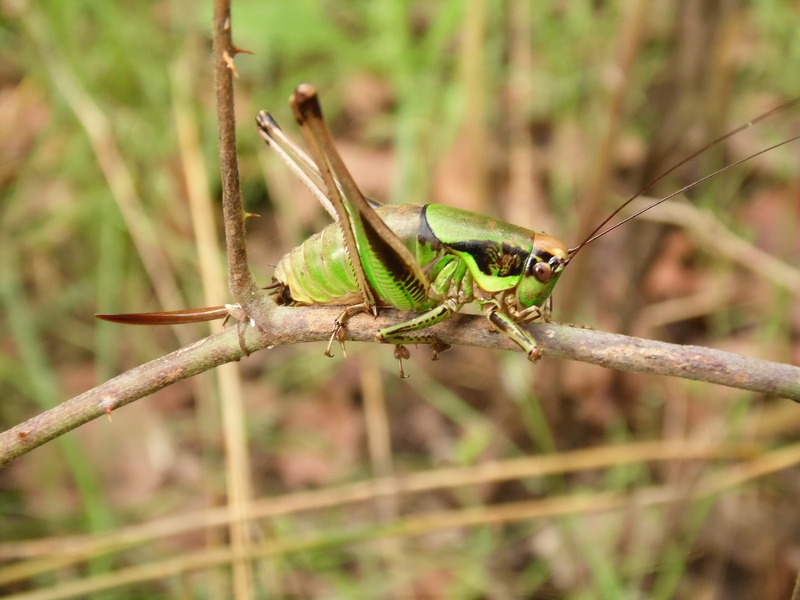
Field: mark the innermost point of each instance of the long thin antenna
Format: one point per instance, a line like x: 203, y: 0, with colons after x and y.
x: 683, y: 189
x: 594, y: 234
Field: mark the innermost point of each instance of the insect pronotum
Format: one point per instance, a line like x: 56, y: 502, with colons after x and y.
x: 430, y: 259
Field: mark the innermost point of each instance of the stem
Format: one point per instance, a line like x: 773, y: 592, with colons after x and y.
x: 242, y: 285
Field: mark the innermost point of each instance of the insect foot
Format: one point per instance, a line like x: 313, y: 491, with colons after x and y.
x: 437, y: 347
x: 401, y: 352
x: 535, y: 354
x: 237, y: 312
x: 338, y: 334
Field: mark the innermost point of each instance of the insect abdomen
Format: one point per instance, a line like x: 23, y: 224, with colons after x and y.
x: 319, y: 270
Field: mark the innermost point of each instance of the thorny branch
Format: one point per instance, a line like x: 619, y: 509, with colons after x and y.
x: 290, y: 325
x: 242, y: 285
x: 283, y: 325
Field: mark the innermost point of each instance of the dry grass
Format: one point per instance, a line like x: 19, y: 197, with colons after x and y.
x: 481, y: 476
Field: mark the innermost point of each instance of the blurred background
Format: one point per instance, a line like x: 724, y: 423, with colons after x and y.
x: 480, y: 476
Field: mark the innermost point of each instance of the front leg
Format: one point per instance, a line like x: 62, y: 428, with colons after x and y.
x: 512, y: 330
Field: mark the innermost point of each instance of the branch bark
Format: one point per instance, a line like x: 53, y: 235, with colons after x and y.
x: 289, y: 325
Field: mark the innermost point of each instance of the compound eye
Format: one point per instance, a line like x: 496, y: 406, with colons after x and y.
x: 542, y: 271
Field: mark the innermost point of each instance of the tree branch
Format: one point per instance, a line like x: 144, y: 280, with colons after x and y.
x: 289, y: 325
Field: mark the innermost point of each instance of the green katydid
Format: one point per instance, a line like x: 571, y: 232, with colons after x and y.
x: 430, y: 259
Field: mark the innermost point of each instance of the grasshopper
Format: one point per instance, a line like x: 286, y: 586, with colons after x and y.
x: 430, y: 259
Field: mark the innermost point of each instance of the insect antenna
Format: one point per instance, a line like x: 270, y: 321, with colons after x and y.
x: 595, y: 235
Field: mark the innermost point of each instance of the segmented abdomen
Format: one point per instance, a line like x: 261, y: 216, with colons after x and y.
x: 319, y: 270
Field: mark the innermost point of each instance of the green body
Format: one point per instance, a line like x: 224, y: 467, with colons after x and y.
x: 431, y: 259
x: 463, y: 257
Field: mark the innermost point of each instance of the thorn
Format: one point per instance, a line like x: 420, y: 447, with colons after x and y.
x: 229, y: 63
x: 236, y: 50
x: 107, y: 404
x: 227, y: 24
x: 249, y: 215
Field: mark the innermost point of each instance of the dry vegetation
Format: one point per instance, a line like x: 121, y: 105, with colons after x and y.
x: 481, y: 476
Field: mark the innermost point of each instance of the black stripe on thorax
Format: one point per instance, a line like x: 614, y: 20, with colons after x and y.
x: 497, y: 259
